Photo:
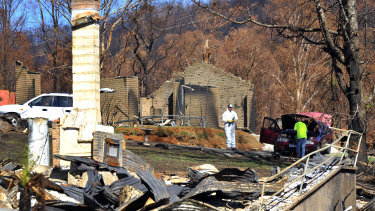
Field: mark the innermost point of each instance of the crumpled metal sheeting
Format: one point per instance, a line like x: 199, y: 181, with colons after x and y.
x: 370, y: 206
x: 91, y: 162
x: 158, y: 188
x: 79, y: 159
x: 112, y: 192
x: 12, y: 196
x: 7, y: 165
x: 236, y: 175
x: 65, y: 206
x: 197, y: 173
x: 189, y: 205
x: 196, y: 176
x: 93, y: 192
x: 78, y: 167
x: 74, y: 192
x: 211, y: 184
x: 135, y: 163
x: 176, y: 191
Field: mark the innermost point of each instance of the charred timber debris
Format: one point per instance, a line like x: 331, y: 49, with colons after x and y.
x: 136, y: 188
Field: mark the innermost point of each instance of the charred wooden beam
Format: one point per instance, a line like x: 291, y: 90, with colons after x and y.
x: 73, y: 192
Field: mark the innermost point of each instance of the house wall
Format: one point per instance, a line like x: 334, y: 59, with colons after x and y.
x: 146, y: 106
x: 202, y: 102
x: 159, y: 99
x: 230, y: 89
x: 27, y: 83
x: 251, y: 114
x: 124, y: 103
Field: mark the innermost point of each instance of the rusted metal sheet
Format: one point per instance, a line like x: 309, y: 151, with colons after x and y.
x: 335, y: 192
x: 112, y: 152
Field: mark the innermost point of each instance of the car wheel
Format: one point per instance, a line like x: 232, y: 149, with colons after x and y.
x: 13, y: 119
x: 276, y: 151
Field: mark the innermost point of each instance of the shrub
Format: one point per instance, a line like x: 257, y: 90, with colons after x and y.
x: 221, y: 134
x: 185, y: 134
x: 28, y: 164
x: 161, y: 132
x: 169, y: 132
x: 203, y: 135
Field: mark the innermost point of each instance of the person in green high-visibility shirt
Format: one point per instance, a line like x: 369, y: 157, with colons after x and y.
x: 301, y: 129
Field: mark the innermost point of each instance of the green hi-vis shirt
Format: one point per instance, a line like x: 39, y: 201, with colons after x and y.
x: 301, y: 129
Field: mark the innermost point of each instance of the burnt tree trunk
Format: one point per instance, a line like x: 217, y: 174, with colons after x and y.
x: 345, y: 57
x: 352, y: 64
x: 356, y: 119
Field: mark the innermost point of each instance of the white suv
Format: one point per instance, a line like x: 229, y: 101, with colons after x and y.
x: 51, y: 106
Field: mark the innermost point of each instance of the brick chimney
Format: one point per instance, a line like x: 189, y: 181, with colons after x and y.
x: 86, y: 61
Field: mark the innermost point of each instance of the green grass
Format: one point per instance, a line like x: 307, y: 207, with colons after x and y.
x: 12, y: 149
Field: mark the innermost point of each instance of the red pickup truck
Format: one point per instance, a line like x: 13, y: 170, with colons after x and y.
x: 280, y: 132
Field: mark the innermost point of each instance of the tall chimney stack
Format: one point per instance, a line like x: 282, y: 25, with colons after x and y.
x: 86, y: 61
x: 76, y: 129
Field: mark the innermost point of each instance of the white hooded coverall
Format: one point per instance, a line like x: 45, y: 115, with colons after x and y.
x: 229, y: 118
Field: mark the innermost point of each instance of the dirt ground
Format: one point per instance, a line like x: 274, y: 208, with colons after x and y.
x: 14, y: 144
x: 178, y: 162
x: 193, y: 136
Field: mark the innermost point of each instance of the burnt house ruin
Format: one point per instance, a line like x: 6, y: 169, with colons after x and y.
x: 202, y: 90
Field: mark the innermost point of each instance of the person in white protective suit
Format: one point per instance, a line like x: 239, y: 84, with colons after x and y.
x: 229, y: 118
